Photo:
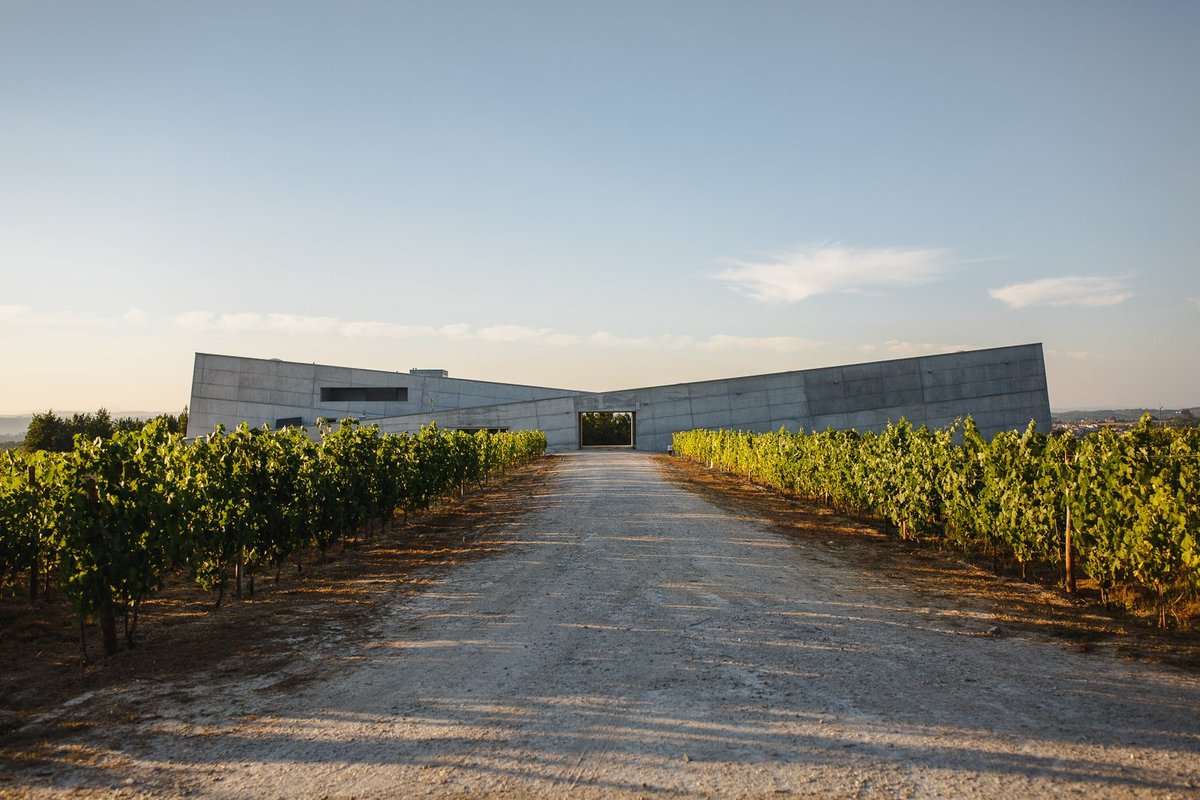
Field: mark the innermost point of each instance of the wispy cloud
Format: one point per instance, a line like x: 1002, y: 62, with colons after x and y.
x: 24, y: 315
x: 777, y: 344
x: 15, y: 314
x: 1078, y: 355
x: 512, y: 333
x: 901, y: 349
x: 610, y: 340
x: 300, y: 325
x: 297, y: 325
x: 807, y: 272
x: 1075, y: 290
x: 672, y: 341
x: 237, y: 324
x: 137, y: 316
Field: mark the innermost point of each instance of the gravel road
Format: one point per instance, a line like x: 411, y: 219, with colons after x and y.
x: 635, y: 640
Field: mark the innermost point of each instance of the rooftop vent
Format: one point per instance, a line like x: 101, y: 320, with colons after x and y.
x: 430, y: 373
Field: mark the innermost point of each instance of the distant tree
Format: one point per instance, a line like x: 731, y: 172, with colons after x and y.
x: 47, y: 431
x: 175, y: 423
x: 1184, y: 418
x: 128, y: 424
x: 92, y: 426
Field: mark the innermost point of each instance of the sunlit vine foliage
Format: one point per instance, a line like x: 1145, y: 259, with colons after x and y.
x: 1123, y: 510
x: 108, y: 522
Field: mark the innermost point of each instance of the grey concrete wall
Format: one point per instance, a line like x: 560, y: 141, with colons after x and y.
x: 1001, y: 388
x: 230, y: 390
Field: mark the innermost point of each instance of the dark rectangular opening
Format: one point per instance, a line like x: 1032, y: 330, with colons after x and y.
x: 607, y: 429
x: 363, y: 394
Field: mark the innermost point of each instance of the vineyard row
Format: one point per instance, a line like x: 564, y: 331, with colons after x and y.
x: 108, y: 522
x: 1123, y: 510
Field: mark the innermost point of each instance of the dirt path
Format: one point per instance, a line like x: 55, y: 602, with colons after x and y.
x: 635, y: 640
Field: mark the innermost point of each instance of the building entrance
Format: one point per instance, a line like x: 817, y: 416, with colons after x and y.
x: 606, y: 429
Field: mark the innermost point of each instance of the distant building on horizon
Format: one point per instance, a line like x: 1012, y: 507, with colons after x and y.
x: 1002, y: 388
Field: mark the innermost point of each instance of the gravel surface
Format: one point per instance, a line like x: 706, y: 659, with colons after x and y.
x: 635, y: 640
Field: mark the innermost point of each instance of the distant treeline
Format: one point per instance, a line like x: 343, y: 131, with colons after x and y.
x: 1183, y: 417
x: 49, y: 431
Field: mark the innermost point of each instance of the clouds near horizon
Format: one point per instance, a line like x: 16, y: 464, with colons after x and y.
x: 1075, y: 290
x: 797, y: 275
x: 896, y: 348
x: 298, y: 325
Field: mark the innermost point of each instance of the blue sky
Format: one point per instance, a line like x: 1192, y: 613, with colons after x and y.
x: 596, y: 195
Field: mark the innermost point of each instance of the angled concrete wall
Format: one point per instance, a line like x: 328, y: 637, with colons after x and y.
x: 230, y: 390
x: 1001, y: 388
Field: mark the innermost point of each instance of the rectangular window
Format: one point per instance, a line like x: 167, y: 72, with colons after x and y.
x: 363, y: 394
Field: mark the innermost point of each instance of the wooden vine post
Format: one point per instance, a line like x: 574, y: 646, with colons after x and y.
x: 37, y: 543
x: 108, y: 619
x: 1068, y: 549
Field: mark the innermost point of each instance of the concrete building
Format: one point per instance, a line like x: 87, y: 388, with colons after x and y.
x: 1001, y: 388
